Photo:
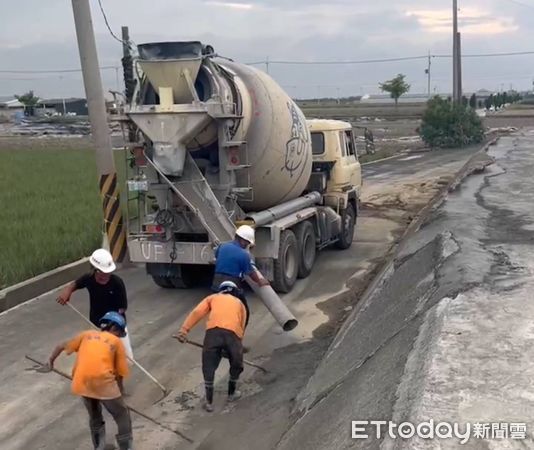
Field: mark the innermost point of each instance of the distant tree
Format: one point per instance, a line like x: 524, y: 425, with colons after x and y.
x: 465, y: 102
x: 480, y: 104
x: 488, y: 103
x: 396, y: 87
x: 505, y: 99
x: 29, y: 100
x: 473, y: 101
x: 497, y: 101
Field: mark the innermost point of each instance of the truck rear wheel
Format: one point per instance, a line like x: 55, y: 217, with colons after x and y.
x: 164, y: 282
x: 187, y: 278
x: 286, y: 267
x: 181, y: 276
x: 305, y: 234
x: 348, y: 220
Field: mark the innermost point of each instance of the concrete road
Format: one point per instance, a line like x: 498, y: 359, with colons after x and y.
x: 37, y: 411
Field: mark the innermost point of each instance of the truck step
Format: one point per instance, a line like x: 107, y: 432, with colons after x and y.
x: 233, y: 144
x: 227, y: 116
x: 242, y: 190
x: 238, y: 167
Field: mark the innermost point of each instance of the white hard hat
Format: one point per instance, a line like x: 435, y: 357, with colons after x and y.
x: 102, y: 260
x: 246, y: 232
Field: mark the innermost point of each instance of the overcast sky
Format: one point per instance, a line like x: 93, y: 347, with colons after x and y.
x: 40, y: 35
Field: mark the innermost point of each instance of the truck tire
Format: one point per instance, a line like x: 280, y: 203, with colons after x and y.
x: 286, y: 267
x: 186, y: 279
x: 305, y: 234
x: 348, y: 220
x: 161, y: 281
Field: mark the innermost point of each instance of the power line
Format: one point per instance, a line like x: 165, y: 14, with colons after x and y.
x: 54, y: 70
x: 363, y: 61
x: 385, y: 60
x: 517, y: 2
x: 107, y: 24
x: 288, y: 62
x: 488, y: 55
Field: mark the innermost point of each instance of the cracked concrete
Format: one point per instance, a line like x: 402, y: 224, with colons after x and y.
x: 448, y: 335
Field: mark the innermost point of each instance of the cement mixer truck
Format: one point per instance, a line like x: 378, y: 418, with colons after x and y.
x: 219, y: 144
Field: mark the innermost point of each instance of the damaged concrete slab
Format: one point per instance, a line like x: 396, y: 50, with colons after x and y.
x: 448, y: 334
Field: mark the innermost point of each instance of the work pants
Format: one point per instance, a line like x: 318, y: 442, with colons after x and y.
x: 120, y: 413
x: 217, y: 341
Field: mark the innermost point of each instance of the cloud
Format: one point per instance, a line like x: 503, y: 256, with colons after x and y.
x: 252, y: 30
x: 471, y: 21
x: 230, y: 5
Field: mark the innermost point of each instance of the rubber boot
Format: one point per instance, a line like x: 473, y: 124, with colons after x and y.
x: 233, y: 394
x: 208, y: 404
x: 124, y: 441
x: 98, y: 436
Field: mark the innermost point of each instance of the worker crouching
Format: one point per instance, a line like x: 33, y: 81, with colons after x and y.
x: 98, y: 376
x: 224, y: 333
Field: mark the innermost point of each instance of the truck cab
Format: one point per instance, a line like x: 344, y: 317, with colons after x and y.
x: 336, y: 171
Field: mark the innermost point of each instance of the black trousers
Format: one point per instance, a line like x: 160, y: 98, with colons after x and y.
x: 216, y: 341
x: 118, y: 410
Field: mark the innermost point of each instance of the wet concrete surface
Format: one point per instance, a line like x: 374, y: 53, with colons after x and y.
x: 448, y: 335
x: 37, y: 411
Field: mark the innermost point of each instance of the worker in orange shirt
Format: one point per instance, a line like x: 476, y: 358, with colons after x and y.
x: 98, y: 375
x: 224, y: 333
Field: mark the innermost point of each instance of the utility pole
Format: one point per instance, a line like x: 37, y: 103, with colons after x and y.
x: 267, y: 64
x: 455, y: 85
x: 105, y: 164
x: 129, y: 82
x: 427, y: 71
x: 117, y: 84
x: 459, y: 66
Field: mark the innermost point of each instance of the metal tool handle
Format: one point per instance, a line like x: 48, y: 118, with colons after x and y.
x: 139, y: 413
x: 139, y: 366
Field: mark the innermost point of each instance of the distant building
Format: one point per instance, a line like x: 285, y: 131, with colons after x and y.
x: 10, y: 107
x: 386, y: 98
x: 74, y: 106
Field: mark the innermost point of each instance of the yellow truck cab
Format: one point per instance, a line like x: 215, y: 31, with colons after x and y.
x: 336, y: 169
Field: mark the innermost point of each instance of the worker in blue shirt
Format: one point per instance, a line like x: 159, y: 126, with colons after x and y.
x: 234, y: 263
x: 233, y: 260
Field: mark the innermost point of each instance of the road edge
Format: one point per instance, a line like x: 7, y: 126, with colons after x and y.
x: 45, y: 282
x: 387, y: 268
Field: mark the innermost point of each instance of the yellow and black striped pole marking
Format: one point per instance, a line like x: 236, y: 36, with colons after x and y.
x: 109, y: 191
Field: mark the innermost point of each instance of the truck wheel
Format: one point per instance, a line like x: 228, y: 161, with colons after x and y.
x: 305, y: 234
x: 187, y: 277
x: 348, y: 220
x: 286, y: 267
x: 164, y: 282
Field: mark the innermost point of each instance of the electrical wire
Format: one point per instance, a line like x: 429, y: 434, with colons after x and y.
x: 54, y: 70
x: 108, y: 26
x: 363, y: 61
x: 517, y: 2
x: 288, y: 62
x: 385, y: 60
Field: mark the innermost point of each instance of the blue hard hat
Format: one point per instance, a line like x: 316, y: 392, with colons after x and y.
x: 114, y: 318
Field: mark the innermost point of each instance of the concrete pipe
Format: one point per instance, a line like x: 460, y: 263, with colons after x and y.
x: 275, y: 305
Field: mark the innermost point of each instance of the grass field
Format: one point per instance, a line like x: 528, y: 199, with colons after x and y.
x: 354, y: 111
x: 51, y: 212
